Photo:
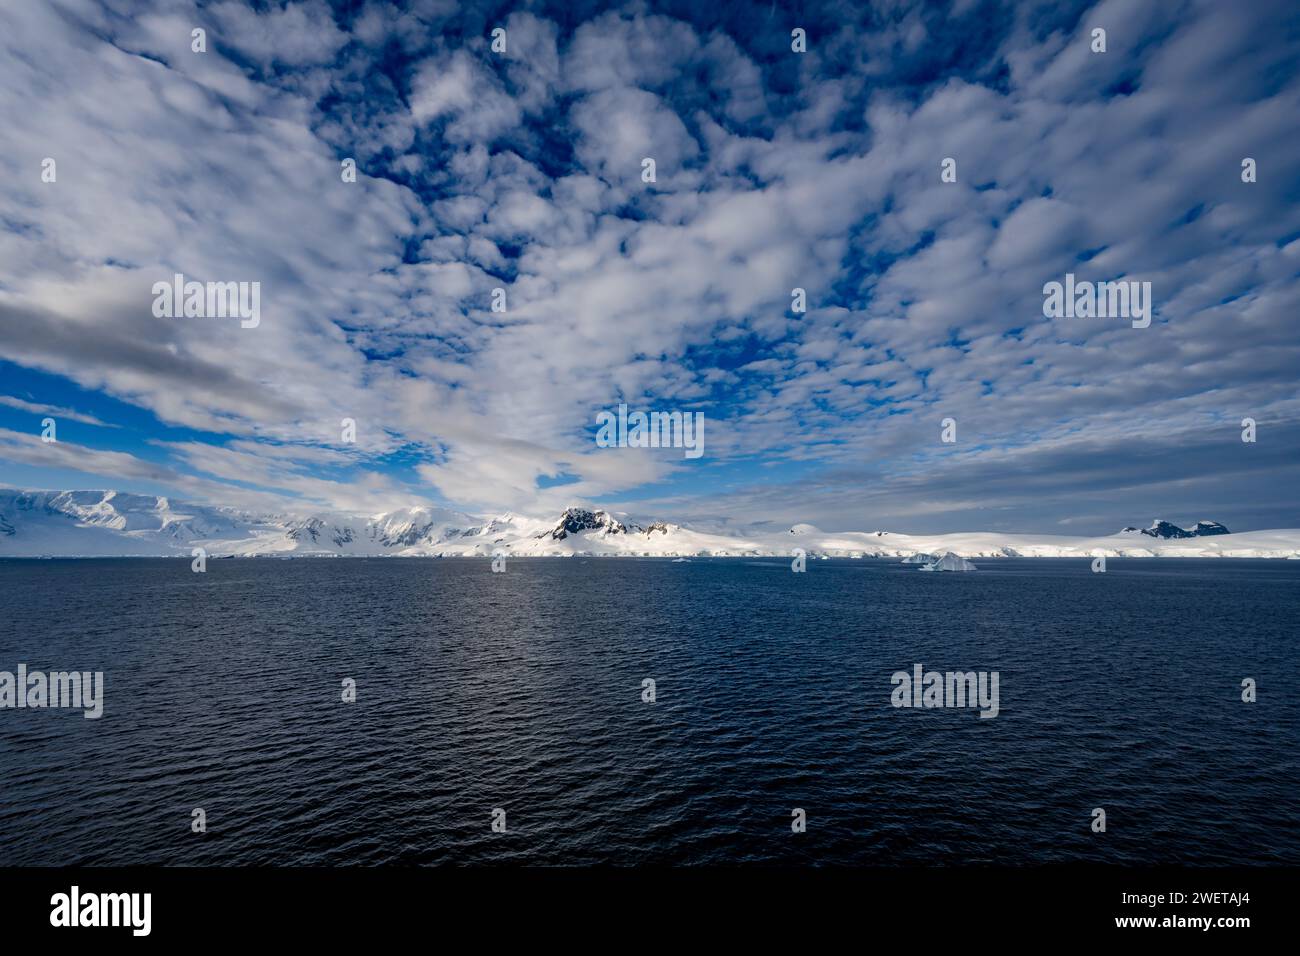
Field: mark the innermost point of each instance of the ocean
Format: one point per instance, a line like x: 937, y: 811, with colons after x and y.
x: 525, y: 692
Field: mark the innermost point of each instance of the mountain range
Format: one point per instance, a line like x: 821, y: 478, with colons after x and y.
x: 112, y: 523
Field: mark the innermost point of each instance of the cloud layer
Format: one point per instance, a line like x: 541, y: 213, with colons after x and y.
x: 522, y: 171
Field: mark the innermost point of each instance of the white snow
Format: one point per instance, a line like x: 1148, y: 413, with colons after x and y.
x: 106, y: 523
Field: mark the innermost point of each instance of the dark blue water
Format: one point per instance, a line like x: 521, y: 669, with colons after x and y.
x: 522, y: 691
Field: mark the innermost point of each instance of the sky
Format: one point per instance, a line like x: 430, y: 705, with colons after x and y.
x: 522, y: 170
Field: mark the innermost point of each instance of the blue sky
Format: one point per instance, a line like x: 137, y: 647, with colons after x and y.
x: 522, y: 170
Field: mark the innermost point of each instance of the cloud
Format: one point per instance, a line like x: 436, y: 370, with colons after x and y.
x: 57, y: 411
x: 457, y: 89
x: 618, y: 129
x: 296, y: 34
x: 775, y: 171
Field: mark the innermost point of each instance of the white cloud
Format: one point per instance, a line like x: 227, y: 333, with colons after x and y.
x: 524, y: 172
x: 38, y: 408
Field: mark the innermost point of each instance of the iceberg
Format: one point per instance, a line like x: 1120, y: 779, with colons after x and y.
x: 949, y: 562
x: 918, y: 558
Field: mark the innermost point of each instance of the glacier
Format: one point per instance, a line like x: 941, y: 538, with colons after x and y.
x: 105, y: 523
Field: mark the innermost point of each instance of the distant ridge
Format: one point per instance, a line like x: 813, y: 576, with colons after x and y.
x: 111, y: 523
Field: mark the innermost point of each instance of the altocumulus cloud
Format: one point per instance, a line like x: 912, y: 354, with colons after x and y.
x: 522, y: 171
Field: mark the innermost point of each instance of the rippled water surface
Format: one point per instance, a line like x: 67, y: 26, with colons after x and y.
x: 523, y: 690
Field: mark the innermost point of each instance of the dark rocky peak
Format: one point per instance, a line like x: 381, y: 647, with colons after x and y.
x: 577, y: 520
x: 1165, y: 529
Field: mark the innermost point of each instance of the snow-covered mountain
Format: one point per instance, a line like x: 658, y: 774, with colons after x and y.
x: 106, y: 523
x: 109, y: 523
